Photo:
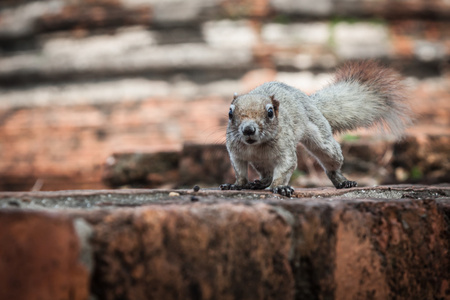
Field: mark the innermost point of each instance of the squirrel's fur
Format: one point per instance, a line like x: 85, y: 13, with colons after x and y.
x: 364, y: 94
x: 267, y: 123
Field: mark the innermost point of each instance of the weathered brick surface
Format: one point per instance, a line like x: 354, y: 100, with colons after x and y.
x: 388, y: 242
x: 220, y: 251
x: 74, y: 142
x: 40, y: 257
x: 34, y: 17
x: 369, y: 161
x: 141, y: 168
x: 393, y: 241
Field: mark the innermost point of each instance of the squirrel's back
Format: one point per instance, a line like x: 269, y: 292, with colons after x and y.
x: 364, y: 94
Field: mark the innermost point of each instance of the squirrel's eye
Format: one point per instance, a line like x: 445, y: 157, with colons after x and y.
x: 270, y: 112
x: 230, y: 114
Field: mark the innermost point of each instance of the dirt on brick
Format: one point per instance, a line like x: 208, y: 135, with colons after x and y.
x: 364, y: 243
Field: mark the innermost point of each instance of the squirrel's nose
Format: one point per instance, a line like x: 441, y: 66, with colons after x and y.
x: 249, y: 130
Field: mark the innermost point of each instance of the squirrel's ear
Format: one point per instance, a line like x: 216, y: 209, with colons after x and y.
x: 275, y: 103
x: 235, y: 96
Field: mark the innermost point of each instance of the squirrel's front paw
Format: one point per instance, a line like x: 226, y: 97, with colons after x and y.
x: 229, y: 186
x: 283, y: 190
x: 347, y: 184
x: 258, y: 185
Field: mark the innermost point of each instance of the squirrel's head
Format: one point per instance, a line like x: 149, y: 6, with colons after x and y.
x: 253, y: 119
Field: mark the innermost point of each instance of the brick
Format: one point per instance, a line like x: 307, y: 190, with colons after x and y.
x: 121, y: 43
x: 245, y: 8
x: 380, y: 242
x: 417, y: 157
x: 358, y: 250
x: 205, y: 165
x: 40, y: 257
x: 76, y: 140
x: 34, y: 17
x: 254, y: 78
x: 19, y: 20
x: 152, y: 169
x: 429, y: 51
x: 373, y: 242
x: 327, y: 8
x: 229, y: 34
x: 92, y: 15
x: 307, y: 82
x: 304, y: 7
x: 361, y: 40
x: 194, y: 252
x: 296, y: 35
x: 170, y: 13
x: 119, y: 90
x: 186, y: 56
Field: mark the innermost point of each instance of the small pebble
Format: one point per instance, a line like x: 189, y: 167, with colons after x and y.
x: 174, y: 194
x: 194, y: 199
x: 196, y: 188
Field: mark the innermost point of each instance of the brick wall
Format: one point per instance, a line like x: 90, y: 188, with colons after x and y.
x: 82, y: 80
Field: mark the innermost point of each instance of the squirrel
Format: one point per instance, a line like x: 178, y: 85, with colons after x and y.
x: 266, y: 124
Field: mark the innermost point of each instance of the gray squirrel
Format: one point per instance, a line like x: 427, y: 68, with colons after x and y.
x: 266, y: 124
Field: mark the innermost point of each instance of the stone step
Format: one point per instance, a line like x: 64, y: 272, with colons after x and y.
x: 209, y: 53
x: 18, y: 18
x: 388, y: 242
x: 60, y: 41
x: 371, y: 161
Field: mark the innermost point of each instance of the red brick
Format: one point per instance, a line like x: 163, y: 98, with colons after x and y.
x: 376, y: 243
x: 222, y: 251
x: 39, y: 258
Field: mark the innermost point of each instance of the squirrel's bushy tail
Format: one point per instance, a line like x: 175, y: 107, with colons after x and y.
x: 364, y: 94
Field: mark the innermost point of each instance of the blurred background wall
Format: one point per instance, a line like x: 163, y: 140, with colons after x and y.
x: 80, y: 80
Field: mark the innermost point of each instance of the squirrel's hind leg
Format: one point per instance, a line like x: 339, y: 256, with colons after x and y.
x: 339, y: 181
x: 321, y: 144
